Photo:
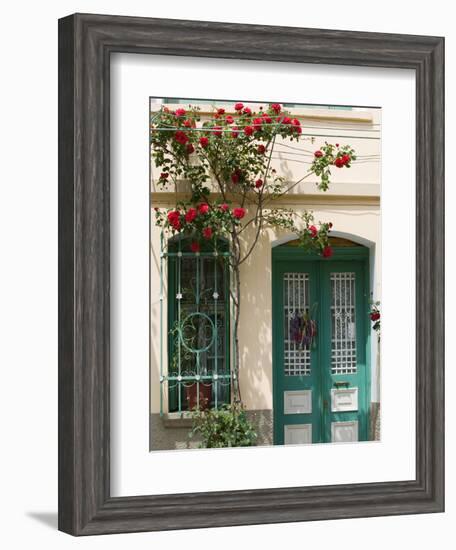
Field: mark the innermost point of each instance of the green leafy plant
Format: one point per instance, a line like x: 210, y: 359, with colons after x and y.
x: 224, y: 427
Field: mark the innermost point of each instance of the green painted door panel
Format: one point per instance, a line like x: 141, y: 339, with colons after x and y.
x: 295, y: 393
x: 326, y: 398
x: 343, y: 358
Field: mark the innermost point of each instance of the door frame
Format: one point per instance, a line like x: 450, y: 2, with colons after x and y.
x: 283, y: 253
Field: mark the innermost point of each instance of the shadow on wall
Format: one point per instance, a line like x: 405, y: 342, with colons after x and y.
x: 256, y: 327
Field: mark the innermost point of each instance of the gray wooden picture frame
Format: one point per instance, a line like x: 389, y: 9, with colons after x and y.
x: 85, y: 45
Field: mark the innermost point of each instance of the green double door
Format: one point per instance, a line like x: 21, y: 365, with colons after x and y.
x: 320, y: 347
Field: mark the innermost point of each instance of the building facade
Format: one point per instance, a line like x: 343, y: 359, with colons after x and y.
x: 324, y: 392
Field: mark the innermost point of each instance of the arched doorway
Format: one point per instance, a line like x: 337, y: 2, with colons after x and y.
x: 321, y: 349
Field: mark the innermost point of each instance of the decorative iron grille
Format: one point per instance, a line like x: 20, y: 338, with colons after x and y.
x: 197, y: 374
x: 343, y: 323
x: 295, y: 303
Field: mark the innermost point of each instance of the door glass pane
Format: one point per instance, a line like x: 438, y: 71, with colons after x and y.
x: 343, y: 323
x: 296, y: 306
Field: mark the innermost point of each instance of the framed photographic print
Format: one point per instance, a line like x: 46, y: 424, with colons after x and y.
x: 250, y: 274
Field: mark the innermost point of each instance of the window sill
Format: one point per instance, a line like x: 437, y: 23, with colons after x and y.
x: 177, y: 420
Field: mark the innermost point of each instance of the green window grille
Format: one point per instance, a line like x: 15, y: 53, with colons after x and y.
x: 198, y: 373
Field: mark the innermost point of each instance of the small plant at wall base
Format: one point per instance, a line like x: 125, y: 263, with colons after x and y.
x: 225, y: 427
x: 234, y: 189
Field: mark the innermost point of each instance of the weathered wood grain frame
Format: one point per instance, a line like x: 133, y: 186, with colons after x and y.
x: 85, y: 45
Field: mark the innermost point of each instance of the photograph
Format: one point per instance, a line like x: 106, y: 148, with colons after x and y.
x: 224, y: 266
x: 265, y: 273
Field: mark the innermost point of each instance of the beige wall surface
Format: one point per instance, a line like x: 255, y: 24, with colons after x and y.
x: 352, y: 205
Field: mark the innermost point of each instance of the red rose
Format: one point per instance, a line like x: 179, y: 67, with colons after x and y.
x: 339, y: 162
x: 257, y: 123
x: 267, y: 118
x: 207, y: 232
x: 190, y: 215
x: 346, y: 159
x: 276, y: 107
x: 375, y: 316
x: 318, y: 154
x: 180, y: 112
x: 258, y: 183
x: 195, y: 246
x: 327, y: 252
x: 173, y: 215
x: 190, y: 149
x: 229, y: 119
x: 313, y: 231
x: 239, y: 106
x: 204, y: 141
x: 164, y: 176
x: 203, y: 208
x: 239, y: 213
x: 217, y: 131
x: 261, y: 149
x: 181, y: 137
x: 235, y: 131
x: 297, y: 125
x: 248, y: 130
x: 224, y: 207
x: 173, y: 218
x: 247, y: 111
x: 220, y: 111
x: 188, y: 123
x: 236, y: 176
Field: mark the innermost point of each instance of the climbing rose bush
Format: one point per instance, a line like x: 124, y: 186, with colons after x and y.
x: 331, y: 155
x: 227, y: 161
x: 234, y: 152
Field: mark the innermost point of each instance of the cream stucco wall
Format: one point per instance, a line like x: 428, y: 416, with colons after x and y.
x: 352, y: 205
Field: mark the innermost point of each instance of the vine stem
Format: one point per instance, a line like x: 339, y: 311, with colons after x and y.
x: 237, y: 398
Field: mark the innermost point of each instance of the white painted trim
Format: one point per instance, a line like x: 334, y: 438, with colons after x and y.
x: 342, y: 234
x: 305, y: 429
x: 337, y: 406
x: 351, y: 423
x: 301, y: 408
